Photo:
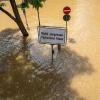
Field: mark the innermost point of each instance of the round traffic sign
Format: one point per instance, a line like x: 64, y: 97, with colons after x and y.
x: 66, y: 10
x: 66, y: 17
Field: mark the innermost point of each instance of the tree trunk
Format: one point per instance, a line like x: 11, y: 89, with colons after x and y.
x: 18, y: 18
x: 38, y: 16
x: 8, y: 14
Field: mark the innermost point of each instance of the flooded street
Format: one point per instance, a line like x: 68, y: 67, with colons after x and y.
x: 26, y: 72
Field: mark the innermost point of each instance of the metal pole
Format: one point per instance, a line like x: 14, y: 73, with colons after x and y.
x: 52, y: 52
x: 66, y: 31
x: 59, y: 47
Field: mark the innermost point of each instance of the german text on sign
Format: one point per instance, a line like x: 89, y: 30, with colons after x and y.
x: 52, y: 35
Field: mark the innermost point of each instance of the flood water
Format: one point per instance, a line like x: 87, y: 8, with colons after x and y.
x: 26, y: 72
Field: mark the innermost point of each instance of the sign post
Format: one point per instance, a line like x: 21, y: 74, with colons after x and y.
x: 52, y: 36
x: 52, y: 52
x: 66, y: 31
x: 66, y: 17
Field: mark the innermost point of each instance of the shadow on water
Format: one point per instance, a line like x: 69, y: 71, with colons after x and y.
x: 9, y: 41
x: 71, y: 40
x: 8, y: 32
x: 23, y: 79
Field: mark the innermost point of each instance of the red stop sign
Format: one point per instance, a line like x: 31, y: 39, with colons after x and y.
x: 66, y: 10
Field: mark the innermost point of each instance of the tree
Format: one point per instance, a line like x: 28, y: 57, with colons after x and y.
x: 16, y: 18
x: 36, y: 4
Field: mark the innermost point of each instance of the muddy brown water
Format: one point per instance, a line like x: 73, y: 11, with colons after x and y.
x: 25, y: 69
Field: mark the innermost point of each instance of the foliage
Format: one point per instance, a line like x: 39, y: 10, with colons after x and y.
x: 35, y: 3
x: 2, y: 4
x: 24, y: 4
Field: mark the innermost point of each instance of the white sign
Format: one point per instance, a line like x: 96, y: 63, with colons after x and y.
x: 52, y: 35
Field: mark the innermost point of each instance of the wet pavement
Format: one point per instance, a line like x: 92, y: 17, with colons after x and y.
x: 23, y: 77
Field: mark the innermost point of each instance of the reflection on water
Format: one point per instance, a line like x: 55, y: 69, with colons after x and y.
x: 23, y: 79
